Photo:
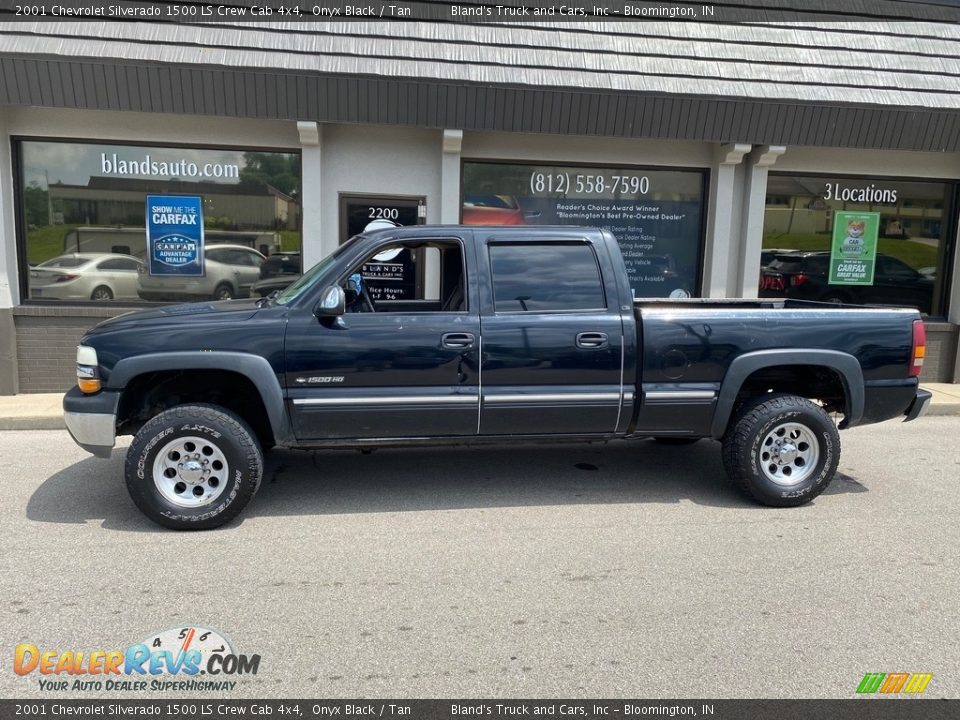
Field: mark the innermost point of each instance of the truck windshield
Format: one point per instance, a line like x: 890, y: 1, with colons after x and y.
x: 309, y: 278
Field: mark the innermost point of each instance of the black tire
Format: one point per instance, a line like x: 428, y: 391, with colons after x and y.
x: 101, y: 292
x: 214, y: 429
x: 778, y: 480
x: 223, y: 291
x: 676, y: 440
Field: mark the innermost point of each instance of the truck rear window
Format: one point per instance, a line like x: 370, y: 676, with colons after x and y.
x: 544, y: 277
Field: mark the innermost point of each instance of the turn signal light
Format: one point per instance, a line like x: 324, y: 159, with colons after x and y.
x: 88, y: 385
x: 919, y: 351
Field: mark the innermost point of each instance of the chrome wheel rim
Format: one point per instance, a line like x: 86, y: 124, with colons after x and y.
x: 190, y: 471
x: 102, y: 294
x: 788, y: 454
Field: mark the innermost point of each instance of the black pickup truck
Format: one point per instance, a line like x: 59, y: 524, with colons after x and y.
x: 503, y: 335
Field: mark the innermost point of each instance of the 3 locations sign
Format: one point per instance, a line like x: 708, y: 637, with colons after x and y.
x: 175, y: 234
x: 654, y: 214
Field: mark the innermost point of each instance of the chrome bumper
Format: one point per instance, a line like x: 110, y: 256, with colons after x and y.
x: 94, y: 432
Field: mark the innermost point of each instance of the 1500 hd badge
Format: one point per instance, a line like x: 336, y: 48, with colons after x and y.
x: 319, y: 379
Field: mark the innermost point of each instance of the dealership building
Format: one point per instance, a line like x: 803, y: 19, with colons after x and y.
x: 730, y: 154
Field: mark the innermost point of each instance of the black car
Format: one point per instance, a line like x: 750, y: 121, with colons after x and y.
x: 281, y: 263
x: 276, y: 273
x: 805, y: 276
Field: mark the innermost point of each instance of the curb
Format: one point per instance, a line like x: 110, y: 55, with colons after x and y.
x: 36, y: 422
x: 943, y: 410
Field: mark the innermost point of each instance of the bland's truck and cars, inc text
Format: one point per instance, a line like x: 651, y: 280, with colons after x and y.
x: 511, y: 335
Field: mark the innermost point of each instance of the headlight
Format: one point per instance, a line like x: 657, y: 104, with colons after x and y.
x: 88, y: 372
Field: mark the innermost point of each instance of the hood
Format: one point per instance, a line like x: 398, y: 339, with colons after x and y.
x: 225, y: 309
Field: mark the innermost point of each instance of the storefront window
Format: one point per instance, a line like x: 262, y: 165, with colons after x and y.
x: 139, y: 223
x: 856, y: 240
x: 656, y: 215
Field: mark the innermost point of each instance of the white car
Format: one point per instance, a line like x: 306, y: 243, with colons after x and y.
x: 229, y: 272
x: 86, y: 276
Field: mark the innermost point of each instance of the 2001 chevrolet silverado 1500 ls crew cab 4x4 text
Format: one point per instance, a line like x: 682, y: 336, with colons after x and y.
x: 512, y: 335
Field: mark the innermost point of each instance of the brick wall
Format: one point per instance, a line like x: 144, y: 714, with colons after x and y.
x: 47, y: 339
x: 941, y: 353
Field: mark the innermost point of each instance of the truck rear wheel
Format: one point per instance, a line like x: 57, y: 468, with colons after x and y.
x: 782, y: 450
x: 194, y: 467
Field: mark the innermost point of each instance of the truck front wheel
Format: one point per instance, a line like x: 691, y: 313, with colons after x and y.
x: 193, y: 467
x: 782, y: 450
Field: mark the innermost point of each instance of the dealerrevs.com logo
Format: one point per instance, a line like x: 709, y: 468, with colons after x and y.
x: 184, y: 658
x: 894, y: 683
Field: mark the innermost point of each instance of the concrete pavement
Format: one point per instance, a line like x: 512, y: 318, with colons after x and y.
x: 946, y: 398
x: 40, y: 411
x: 43, y: 411
x: 630, y: 570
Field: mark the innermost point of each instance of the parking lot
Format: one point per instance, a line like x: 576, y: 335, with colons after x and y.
x: 630, y: 570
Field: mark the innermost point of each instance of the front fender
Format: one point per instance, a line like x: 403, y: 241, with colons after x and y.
x: 253, y: 367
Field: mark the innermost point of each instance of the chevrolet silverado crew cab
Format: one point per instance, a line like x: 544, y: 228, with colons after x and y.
x: 428, y: 335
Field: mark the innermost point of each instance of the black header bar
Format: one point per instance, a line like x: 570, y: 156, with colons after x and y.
x: 211, y: 709
x: 484, y: 11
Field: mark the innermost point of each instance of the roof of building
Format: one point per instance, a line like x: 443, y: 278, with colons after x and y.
x: 896, y: 55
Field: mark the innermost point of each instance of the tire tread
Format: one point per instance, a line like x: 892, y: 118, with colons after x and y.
x: 735, y: 449
x: 240, y: 432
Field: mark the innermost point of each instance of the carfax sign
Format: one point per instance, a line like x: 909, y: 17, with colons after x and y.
x: 853, y: 253
x: 175, y: 235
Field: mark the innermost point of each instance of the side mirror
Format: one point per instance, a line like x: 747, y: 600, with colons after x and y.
x: 332, y: 302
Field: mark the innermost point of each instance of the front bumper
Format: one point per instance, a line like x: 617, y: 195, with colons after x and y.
x: 919, y: 406
x: 92, y: 420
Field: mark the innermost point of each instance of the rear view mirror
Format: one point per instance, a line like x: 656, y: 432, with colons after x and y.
x: 332, y: 302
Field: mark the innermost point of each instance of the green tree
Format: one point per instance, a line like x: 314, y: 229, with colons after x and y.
x: 35, y: 201
x: 279, y: 170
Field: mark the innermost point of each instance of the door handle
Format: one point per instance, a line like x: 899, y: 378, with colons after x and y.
x: 591, y: 340
x: 457, y: 340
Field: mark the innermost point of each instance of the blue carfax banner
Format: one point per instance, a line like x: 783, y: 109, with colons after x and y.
x: 175, y: 235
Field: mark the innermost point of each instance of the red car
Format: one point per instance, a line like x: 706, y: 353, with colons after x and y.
x: 492, y: 210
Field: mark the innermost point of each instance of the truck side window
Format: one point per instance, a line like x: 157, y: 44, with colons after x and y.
x: 414, y: 277
x: 537, y: 277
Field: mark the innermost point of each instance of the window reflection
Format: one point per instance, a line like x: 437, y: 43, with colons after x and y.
x: 911, y: 239
x: 86, y: 202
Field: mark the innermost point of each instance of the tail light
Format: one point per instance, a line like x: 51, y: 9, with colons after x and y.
x: 66, y: 278
x: 799, y: 279
x: 919, y: 351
